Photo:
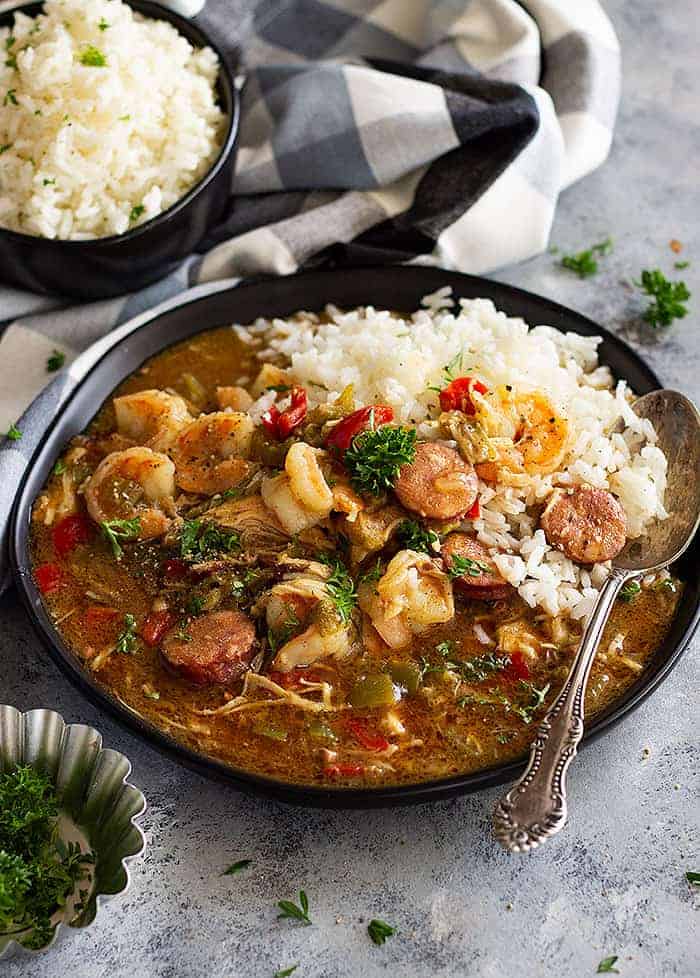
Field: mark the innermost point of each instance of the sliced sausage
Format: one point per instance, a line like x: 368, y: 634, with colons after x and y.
x: 438, y: 483
x: 214, y: 648
x: 484, y: 581
x: 586, y: 523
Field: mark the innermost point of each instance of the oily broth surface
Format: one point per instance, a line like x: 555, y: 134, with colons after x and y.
x: 445, y: 738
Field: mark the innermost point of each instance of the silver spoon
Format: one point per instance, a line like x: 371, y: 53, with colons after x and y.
x: 535, y: 807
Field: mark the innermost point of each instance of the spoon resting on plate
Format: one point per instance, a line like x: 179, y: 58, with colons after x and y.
x: 535, y: 807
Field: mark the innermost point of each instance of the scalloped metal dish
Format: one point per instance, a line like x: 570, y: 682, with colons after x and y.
x: 98, y: 804
x: 392, y: 287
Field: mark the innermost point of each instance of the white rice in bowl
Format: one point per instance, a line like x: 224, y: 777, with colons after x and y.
x: 396, y: 359
x: 106, y: 119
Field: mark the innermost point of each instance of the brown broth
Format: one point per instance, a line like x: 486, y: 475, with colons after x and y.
x: 447, y: 732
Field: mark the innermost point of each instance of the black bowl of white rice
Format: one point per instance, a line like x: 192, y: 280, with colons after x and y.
x: 118, y: 130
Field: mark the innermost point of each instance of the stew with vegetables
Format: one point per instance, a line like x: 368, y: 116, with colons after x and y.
x: 294, y: 585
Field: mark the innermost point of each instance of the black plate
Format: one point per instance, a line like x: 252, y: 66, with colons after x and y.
x: 387, y: 287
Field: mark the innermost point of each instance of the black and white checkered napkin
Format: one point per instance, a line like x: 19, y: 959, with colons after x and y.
x: 372, y: 130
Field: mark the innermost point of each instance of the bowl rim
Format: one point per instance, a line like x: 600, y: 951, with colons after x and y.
x: 226, y: 78
x: 305, y: 794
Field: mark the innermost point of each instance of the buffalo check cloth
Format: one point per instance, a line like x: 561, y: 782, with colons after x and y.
x: 427, y: 131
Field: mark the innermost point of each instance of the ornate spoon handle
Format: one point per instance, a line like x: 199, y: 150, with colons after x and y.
x: 535, y: 807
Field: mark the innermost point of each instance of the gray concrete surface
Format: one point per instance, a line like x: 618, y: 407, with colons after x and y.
x: 613, y: 882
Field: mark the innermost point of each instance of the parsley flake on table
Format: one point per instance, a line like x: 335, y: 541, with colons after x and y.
x: 584, y: 262
x: 92, y: 57
x: 293, y: 912
x: 669, y: 298
x: 285, y: 972
x: 378, y: 930
x: 56, y: 360
x: 607, y: 966
x: 13, y: 433
x: 237, y: 867
x: 376, y: 456
x: 693, y: 878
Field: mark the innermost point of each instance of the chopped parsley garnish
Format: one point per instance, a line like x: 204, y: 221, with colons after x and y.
x: 92, y: 57
x: 56, y: 360
x: 60, y: 467
x: 669, y: 298
x: 292, y: 911
x: 466, y: 567
x: 372, y: 575
x: 375, y: 458
x: 9, y: 41
x: 136, y: 213
x: 279, y: 388
x: 340, y: 586
x: 195, y: 604
x: 607, y: 966
x: 527, y: 712
x: 116, y: 530
x: 13, y: 433
x: 285, y: 972
x: 128, y: 640
x: 4, y: 148
x: 680, y: 265
x: 693, y: 878
x: 630, y: 591
x: 38, y: 870
x: 413, y: 536
x: 276, y: 639
x: 103, y: 25
x: 237, y: 867
x: 199, y: 540
x: 11, y: 62
x: 49, y: 182
x: 10, y: 97
x: 123, y: 118
x: 379, y: 931
x: 584, y: 262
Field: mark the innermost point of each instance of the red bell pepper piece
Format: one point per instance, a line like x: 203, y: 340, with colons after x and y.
x: 457, y: 395
x: 48, y: 577
x: 155, y: 626
x: 342, y: 435
x: 69, y: 532
x: 343, y: 770
x: 518, y: 668
x: 280, y: 424
x: 367, y: 736
x: 475, y: 512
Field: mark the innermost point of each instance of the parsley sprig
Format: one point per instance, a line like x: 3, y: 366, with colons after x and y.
x: 293, y: 912
x: 200, y: 540
x: 413, y: 536
x: 340, y: 586
x: 630, y: 591
x: 116, y: 530
x: 237, y: 867
x: 607, y: 966
x: 128, y: 641
x: 467, y: 567
x: 375, y: 458
x: 669, y: 298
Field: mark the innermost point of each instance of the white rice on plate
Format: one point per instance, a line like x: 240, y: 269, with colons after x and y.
x: 106, y: 119
x: 396, y: 360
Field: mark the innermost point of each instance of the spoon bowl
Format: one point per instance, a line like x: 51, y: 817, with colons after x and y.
x: 535, y: 808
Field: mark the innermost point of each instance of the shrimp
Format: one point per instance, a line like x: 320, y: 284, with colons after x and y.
x: 210, y: 453
x: 539, y: 441
x: 301, y: 604
x: 300, y: 497
x: 137, y: 483
x: 234, y: 398
x: 152, y: 418
x: 412, y: 594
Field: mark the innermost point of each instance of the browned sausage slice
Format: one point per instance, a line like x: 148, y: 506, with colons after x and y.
x: 484, y: 580
x: 438, y: 483
x: 214, y: 648
x: 587, y: 524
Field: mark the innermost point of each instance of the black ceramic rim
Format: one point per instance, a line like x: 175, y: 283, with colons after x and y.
x: 395, y: 287
x: 195, y: 35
